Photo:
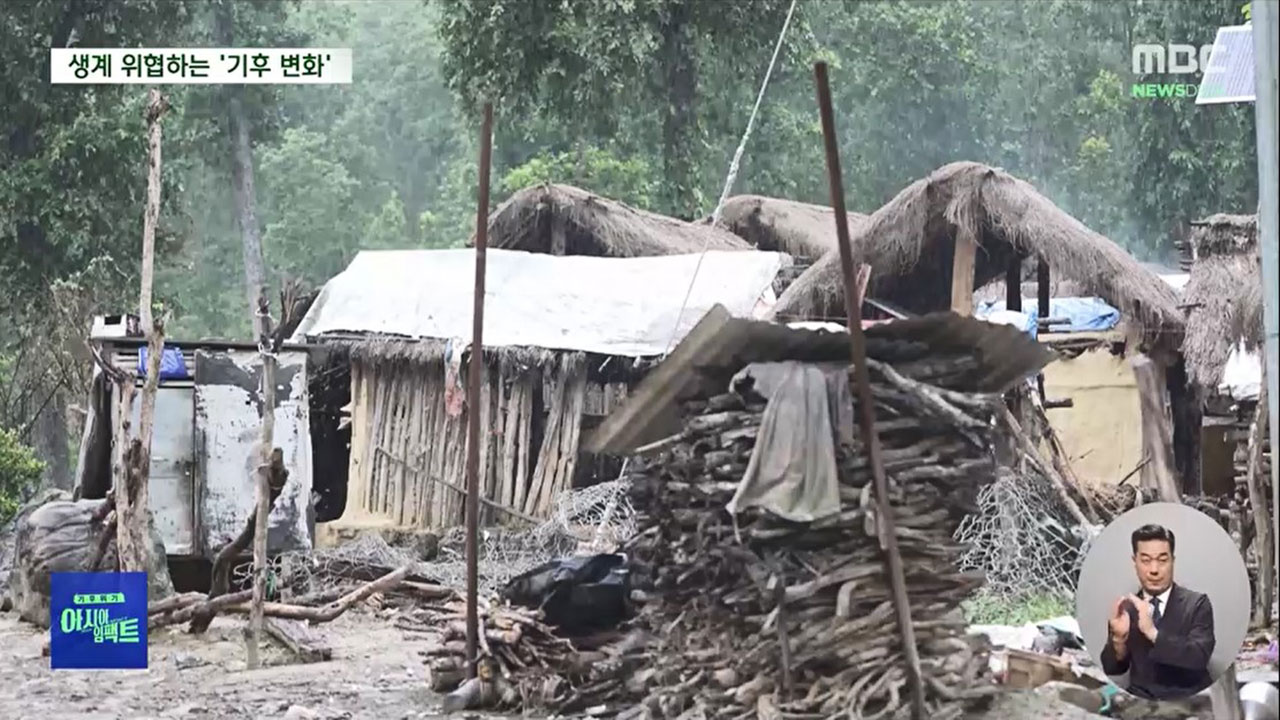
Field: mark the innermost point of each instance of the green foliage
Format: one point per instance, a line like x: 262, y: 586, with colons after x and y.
x: 630, y: 180
x: 608, y: 68
x: 19, y: 473
x: 985, y: 608
x: 640, y: 100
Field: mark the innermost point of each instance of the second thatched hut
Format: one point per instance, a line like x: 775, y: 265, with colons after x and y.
x: 553, y: 219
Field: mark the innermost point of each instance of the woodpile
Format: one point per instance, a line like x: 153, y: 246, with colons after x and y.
x: 762, y: 616
x: 523, y: 662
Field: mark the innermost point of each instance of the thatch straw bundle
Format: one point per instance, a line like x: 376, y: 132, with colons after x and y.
x: 909, y: 242
x: 596, y: 226
x: 798, y: 229
x: 431, y: 351
x: 1224, y: 294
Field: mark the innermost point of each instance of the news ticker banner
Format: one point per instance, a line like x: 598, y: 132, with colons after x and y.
x: 200, y: 66
x: 98, y: 621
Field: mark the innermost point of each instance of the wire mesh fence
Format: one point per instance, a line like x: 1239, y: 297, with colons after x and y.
x: 591, y: 519
x: 1022, y: 539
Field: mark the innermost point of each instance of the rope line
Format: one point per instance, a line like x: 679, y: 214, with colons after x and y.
x: 734, y: 166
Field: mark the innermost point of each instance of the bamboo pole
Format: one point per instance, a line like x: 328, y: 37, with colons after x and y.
x: 866, y: 407
x: 474, y: 375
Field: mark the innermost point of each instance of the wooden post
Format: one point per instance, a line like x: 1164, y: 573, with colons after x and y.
x: 1013, y: 284
x: 133, y: 529
x: 1157, y: 434
x: 866, y: 407
x: 474, y: 374
x: 1042, y: 288
x: 966, y: 250
x: 1261, y: 518
x: 267, y: 350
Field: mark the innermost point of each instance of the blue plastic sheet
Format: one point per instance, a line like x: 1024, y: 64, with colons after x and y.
x: 172, y: 365
x: 1083, y: 314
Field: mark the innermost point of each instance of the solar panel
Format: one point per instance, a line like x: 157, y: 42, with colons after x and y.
x: 1228, y: 76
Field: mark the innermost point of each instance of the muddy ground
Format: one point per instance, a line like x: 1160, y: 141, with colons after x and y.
x: 375, y: 674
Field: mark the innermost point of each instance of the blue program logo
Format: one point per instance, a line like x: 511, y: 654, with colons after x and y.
x: 98, y: 621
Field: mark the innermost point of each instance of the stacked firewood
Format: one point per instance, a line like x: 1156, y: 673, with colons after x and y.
x: 760, y: 616
x: 523, y: 662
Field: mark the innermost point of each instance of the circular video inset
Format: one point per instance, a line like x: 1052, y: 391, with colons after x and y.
x: 1163, y: 601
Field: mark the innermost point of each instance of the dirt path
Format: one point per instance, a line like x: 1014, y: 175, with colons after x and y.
x: 375, y: 674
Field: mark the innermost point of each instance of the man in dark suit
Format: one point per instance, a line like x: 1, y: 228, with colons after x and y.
x: 1163, y: 635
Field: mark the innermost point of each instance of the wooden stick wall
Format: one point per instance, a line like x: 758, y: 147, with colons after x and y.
x: 408, y: 452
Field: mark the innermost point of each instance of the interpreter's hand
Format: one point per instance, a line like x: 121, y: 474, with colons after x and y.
x: 1146, y: 625
x: 1118, y: 623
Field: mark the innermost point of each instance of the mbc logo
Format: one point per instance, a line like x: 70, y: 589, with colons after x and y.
x: 1174, y: 59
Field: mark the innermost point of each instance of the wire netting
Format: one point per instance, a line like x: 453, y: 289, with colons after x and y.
x: 592, y: 519
x: 1021, y: 537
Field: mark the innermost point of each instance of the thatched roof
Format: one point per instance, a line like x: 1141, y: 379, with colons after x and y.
x: 909, y: 243
x: 1223, y: 296
x: 797, y: 229
x: 596, y: 226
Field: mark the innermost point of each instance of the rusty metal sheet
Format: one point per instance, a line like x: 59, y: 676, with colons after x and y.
x: 227, y: 412
x: 720, y: 345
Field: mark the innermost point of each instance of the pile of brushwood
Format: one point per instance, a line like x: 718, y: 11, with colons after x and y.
x: 754, y: 616
x: 762, y: 617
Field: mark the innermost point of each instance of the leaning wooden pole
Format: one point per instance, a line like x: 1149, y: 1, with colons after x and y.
x: 866, y: 409
x: 475, y: 372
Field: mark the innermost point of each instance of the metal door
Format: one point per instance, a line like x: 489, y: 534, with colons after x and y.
x: 227, y: 403
x: 171, y: 487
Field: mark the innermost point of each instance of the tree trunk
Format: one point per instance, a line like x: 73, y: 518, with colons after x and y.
x: 242, y: 179
x: 51, y: 441
x: 1157, y: 435
x: 255, y: 288
x: 679, y: 122
x: 133, y: 517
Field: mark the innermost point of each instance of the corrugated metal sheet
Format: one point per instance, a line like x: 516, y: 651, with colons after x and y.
x: 720, y: 345
x: 127, y: 359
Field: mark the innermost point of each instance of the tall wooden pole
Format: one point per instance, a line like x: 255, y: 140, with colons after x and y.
x: 133, y: 534
x: 866, y: 408
x: 475, y: 372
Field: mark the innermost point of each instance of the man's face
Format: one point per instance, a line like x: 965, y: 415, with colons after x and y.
x: 1154, y: 563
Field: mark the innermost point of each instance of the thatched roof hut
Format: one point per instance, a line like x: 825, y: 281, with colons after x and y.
x: 798, y: 229
x: 909, y: 244
x: 1224, y: 295
x: 565, y: 220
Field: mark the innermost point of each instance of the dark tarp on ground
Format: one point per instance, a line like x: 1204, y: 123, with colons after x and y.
x: 577, y: 594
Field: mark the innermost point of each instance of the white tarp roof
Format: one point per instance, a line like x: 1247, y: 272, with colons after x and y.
x: 612, y: 306
x: 1178, y: 281
x: 1242, y: 375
